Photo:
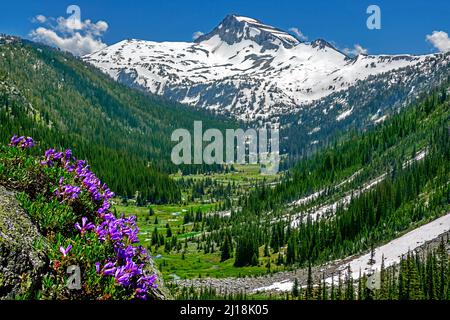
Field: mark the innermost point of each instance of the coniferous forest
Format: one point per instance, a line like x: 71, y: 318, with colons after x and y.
x: 124, y: 134
x: 223, y: 231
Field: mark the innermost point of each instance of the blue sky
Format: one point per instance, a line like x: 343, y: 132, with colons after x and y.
x: 404, y: 24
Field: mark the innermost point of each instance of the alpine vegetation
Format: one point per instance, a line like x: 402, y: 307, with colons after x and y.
x: 72, y: 209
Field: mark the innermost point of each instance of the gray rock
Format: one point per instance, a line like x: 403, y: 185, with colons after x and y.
x: 161, y: 292
x: 22, y: 255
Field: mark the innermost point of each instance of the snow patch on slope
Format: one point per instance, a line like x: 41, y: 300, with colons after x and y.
x: 243, y: 67
x: 392, y: 252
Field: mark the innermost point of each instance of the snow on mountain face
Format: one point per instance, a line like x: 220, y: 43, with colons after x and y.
x: 243, y: 67
x: 235, y: 29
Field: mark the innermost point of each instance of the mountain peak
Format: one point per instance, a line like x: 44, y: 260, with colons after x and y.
x: 239, y: 18
x: 235, y: 28
x: 246, y: 68
x: 322, y: 44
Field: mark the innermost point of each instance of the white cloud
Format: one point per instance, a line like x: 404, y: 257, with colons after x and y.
x: 440, y: 40
x: 73, y: 35
x: 39, y: 18
x: 70, y: 25
x: 356, y: 50
x: 77, y: 44
x: 298, y: 33
x: 196, y: 35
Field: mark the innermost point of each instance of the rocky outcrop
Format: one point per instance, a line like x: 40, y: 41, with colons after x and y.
x: 22, y: 256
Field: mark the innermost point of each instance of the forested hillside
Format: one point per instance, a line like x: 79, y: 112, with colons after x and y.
x: 358, y: 192
x: 63, y: 102
x: 363, y: 190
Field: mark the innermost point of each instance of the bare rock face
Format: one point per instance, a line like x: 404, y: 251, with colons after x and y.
x: 161, y: 292
x: 22, y: 254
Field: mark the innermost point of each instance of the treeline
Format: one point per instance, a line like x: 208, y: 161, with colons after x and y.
x: 209, y: 189
x: 205, y: 293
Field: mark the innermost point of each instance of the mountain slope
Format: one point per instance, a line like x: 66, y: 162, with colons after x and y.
x: 248, y: 69
x: 61, y: 101
x: 364, y: 105
x: 363, y: 190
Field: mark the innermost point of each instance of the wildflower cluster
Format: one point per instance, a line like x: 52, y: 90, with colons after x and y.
x: 67, y: 191
x: 127, y: 264
x: 21, y: 142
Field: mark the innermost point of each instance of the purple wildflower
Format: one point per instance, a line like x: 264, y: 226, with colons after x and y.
x: 21, y: 142
x: 127, y: 265
x: 109, y: 269
x: 147, y: 281
x: 122, y: 276
x: 97, y: 267
x: 65, y: 251
x: 68, y: 192
x: 51, y: 156
x: 143, y: 285
x: 102, y: 230
x: 85, y: 226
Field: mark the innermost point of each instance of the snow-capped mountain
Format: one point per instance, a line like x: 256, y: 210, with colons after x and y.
x: 247, y: 69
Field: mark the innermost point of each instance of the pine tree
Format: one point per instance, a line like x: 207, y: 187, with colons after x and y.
x: 360, y: 289
x: 349, y: 292
x: 225, y: 250
x: 443, y: 269
x: 309, y: 284
x: 332, y: 290
x: 295, y: 288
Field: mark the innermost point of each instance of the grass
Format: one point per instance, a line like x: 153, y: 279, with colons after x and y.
x: 171, y: 214
x: 244, y: 176
x: 195, y: 263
